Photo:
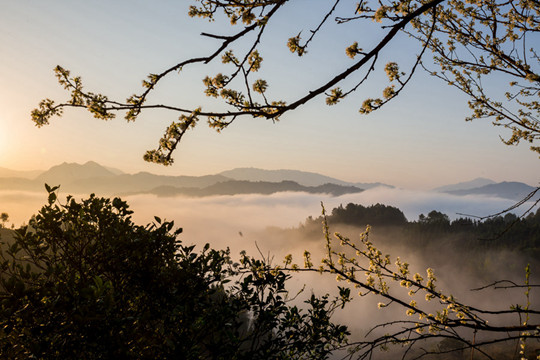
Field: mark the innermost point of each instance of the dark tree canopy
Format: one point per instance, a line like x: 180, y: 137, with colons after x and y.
x: 82, y: 281
x: 4, y: 218
x: 472, y: 43
x: 356, y: 214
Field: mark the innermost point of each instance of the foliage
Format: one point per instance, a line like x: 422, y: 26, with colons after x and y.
x: 437, y: 234
x: 430, y: 313
x: 474, y: 43
x: 83, y: 281
x: 4, y: 217
x: 377, y: 214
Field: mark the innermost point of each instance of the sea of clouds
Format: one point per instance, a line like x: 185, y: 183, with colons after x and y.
x: 244, y: 213
x: 239, y: 222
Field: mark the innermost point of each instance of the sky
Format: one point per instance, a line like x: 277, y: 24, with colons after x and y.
x: 419, y: 140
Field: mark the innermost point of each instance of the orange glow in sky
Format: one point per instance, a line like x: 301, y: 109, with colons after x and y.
x: 114, y: 45
x: 4, y: 145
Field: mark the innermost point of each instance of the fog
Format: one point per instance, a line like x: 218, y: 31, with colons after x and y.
x: 238, y: 221
x: 21, y: 205
x: 259, y: 211
x: 220, y: 220
x: 261, y: 224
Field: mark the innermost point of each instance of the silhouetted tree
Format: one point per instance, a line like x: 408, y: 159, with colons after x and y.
x: 435, y: 219
x: 82, y: 281
x: 471, y: 41
x: 431, y: 314
x: 4, y: 217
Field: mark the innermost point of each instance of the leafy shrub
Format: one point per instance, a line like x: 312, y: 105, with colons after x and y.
x: 83, y: 281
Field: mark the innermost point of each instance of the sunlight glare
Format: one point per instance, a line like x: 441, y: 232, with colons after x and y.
x: 3, y: 141
x: 7, y: 152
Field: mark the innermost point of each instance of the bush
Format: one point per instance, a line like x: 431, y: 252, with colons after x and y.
x: 83, y: 281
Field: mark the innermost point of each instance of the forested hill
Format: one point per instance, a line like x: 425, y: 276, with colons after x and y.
x: 436, y: 236
x: 497, y: 229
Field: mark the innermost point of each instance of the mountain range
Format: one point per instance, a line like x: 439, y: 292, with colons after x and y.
x: 93, y: 177
x: 106, y: 181
x: 234, y: 187
x: 301, y: 177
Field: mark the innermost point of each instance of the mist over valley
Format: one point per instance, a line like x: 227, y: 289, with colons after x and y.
x: 275, y: 216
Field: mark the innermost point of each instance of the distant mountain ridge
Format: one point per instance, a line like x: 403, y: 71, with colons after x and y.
x: 69, y: 172
x: 301, y: 177
x: 235, y: 187
x: 507, y: 189
x: 143, y: 182
x: 93, y: 177
x: 472, y: 184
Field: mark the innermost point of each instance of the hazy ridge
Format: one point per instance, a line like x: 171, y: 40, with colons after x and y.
x: 235, y: 187
x: 475, y: 183
x: 506, y: 189
x: 302, y: 177
x: 93, y: 177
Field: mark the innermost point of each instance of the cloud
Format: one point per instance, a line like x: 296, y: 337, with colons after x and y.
x: 239, y: 222
x: 225, y: 216
x: 289, y: 208
x: 414, y: 202
x: 21, y: 205
x: 219, y: 220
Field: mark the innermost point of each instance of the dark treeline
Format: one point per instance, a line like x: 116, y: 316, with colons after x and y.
x: 479, y: 244
x: 508, y: 231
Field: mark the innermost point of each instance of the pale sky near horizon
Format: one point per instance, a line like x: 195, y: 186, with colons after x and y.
x: 419, y: 140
